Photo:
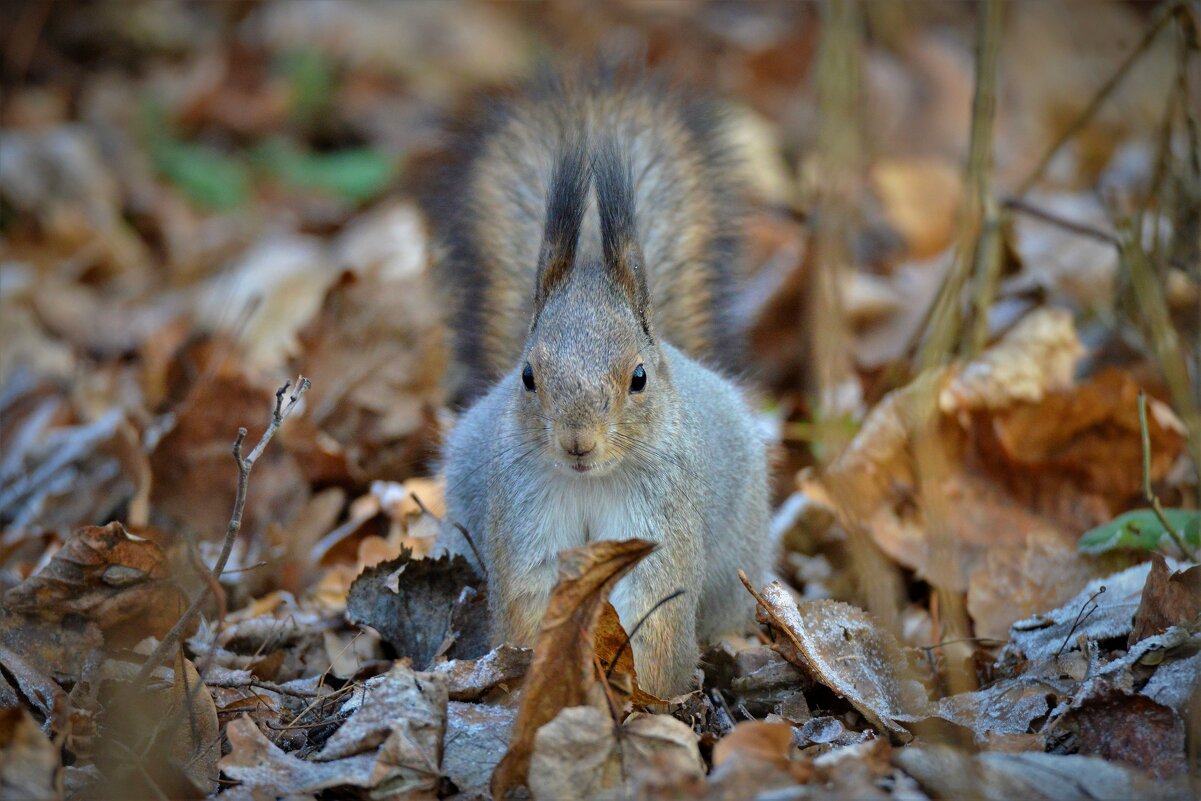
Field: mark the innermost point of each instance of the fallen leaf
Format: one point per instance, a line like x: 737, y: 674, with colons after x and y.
x: 1092, y: 613
x: 1168, y: 599
x: 563, y: 673
x: 772, y: 744
x: 29, y: 762
x: 403, y: 714
x: 1130, y: 728
x: 616, y: 655
x: 921, y: 199
x: 843, y: 648
x: 435, y: 607
x: 948, y: 772
x: 392, y: 742
x: 106, y: 575
x: 470, y: 679
x: 581, y: 755
x: 477, y: 736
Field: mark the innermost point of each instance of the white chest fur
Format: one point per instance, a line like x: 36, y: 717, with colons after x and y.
x: 568, y: 511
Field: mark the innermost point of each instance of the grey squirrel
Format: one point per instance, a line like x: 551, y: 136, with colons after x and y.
x: 588, y: 245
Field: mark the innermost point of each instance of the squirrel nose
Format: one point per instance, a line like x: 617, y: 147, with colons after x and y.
x: 577, y: 443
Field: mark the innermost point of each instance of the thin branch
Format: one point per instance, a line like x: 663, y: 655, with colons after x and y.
x: 245, y: 465
x: 1030, y: 210
x: 1149, y: 494
x: 621, y: 651
x: 1162, y: 16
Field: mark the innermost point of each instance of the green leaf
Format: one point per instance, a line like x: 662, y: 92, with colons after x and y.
x: 207, y: 176
x: 310, y: 76
x: 357, y: 174
x: 1142, y: 530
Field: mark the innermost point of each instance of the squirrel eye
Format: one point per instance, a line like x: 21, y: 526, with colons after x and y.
x: 638, y: 382
x: 527, y: 377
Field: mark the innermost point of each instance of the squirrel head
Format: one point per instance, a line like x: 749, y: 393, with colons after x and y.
x: 594, y: 384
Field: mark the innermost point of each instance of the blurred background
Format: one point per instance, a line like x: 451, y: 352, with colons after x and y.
x: 200, y: 200
x: 974, y: 236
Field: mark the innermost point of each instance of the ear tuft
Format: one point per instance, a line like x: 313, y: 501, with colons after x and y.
x: 619, y: 230
x: 567, y: 201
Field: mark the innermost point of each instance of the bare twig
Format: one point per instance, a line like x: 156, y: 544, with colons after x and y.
x: 1081, y: 616
x: 621, y: 651
x: 245, y: 465
x: 1149, y: 494
x: 1030, y: 210
x: 1162, y: 16
x: 471, y: 544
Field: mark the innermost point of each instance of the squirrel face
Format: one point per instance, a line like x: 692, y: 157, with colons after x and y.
x: 593, y: 384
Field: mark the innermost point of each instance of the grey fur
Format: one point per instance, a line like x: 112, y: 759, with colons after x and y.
x: 583, y: 457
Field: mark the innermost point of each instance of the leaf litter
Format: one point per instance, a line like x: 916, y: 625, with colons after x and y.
x: 981, y: 591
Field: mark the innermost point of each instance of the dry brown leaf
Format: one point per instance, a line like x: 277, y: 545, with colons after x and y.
x: 1123, y: 727
x: 921, y: 199
x: 195, y: 477
x: 612, y: 642
x: 582, y: 755
x: 29, y: 762
x: 1168, y: 599
x: 843, y: 648
x: 106, y: 575
x: 563, y: 672
x: 758, y: 741
x: 1036, y: 357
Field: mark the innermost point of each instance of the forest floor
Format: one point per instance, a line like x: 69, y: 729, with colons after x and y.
x: 972, y: 303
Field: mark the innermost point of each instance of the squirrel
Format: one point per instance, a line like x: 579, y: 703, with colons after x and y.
x: 589, y: 244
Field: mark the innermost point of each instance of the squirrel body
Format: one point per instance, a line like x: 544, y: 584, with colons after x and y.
x: 601, y: 427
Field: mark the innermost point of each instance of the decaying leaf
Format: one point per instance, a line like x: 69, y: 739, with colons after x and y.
x: 29, y: 762
x: 1168, y: 599
x: 841, y: 647
x: 1093, y: 613
x: 423, y: 608
x: 582, y: 755
x: 563, y: 673
x: 477, y: 736
x: 470, y: 679
x: 392, y: 743
x: 1130, y: 728
x: 948, y: 772
x: 106, y: 575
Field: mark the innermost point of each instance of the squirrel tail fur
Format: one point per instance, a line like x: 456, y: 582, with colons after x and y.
x: 497, y: 204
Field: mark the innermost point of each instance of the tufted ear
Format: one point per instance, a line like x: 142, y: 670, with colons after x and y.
x: 567, y: 200
x: 619, y: 232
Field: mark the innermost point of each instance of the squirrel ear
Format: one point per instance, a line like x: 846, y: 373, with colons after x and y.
x: 567, y: 200
x: 619, y: 231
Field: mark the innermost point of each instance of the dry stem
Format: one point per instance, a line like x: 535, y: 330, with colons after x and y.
x: 245, y: 465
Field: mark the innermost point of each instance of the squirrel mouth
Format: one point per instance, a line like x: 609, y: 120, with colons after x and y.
x: 580, y: 467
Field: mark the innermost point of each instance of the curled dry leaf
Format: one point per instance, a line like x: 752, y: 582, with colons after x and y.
x: 1168, y: 599
x: 106, y: 575
x: 844, y: 649
x: 616, y: 656
x: 423, y: 608
x: 563, y: 673
x: 1036, y: 357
